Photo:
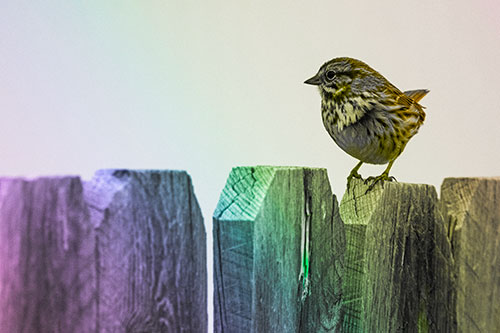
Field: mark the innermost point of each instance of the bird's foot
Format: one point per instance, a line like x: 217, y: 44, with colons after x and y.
x: 353, y: 174
x: 374, y: 180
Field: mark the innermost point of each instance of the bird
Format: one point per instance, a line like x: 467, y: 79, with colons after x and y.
x: 366, y: 115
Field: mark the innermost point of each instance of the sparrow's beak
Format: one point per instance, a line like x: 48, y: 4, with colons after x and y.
x: 315, y: 80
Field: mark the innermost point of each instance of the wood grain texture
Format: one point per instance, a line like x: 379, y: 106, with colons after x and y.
x: 471, y: 207
x: 124, y: 252
x: 46, y: 257
x: 397, y: 262
x: 278, y: 251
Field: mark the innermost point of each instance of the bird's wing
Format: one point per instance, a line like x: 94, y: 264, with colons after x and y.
x: 404, y: 105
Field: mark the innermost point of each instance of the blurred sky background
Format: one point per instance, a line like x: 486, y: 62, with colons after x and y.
x: 207, y: 85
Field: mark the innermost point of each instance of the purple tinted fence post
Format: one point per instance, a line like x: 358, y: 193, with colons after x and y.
x: 124, y: 252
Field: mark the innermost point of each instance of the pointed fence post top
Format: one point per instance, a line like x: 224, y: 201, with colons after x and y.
x: 245, y: 190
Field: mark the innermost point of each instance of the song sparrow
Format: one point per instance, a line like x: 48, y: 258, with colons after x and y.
x: 366, y: 115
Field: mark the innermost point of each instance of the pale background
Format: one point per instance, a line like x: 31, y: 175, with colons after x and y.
x: 208, y: 85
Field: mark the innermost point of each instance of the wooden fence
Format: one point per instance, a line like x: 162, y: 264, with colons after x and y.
x: 126, y: 252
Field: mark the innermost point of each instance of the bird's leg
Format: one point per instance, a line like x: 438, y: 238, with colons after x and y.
x: 354, y: 174
x: 383, y: 177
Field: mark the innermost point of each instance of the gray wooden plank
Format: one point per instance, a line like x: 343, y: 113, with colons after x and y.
x: 46, y: 257
x: 397, y: 262
x: 124, y: 252
x: 471, y: 207
x: 278, y: 247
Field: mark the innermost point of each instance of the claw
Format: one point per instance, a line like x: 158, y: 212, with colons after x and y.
x: 354, y: 174
x: 374, y: 180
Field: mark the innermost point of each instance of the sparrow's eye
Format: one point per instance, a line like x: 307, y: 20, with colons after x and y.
x: 330, y: 75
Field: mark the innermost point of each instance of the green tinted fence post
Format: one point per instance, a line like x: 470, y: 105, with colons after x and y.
x: 398, y: 263
x: 471, y: 207
x: 278, y: 247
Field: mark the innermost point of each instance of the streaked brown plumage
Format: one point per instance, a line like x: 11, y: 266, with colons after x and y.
x: 366, y: 115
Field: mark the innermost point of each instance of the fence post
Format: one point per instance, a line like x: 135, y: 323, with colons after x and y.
x: 398, y: 260
x: 471, y: 207
x: 278, y: 248
x: 123, y: 252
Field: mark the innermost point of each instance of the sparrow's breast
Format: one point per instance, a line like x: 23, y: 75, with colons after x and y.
x: 370, y: 139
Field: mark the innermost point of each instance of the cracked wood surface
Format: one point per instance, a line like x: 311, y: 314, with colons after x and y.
x: 278, y: 246
x: 471, y: 207
x: 397, y: 260
x: 124, y: 252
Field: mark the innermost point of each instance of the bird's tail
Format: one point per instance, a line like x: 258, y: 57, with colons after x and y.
x: 417, y: 95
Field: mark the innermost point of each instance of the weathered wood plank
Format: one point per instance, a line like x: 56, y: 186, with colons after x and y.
x: 124, y: 252
x: 397, y: 262
x: 46, y: 257
x: 278, y: 247
x: 471, y: 207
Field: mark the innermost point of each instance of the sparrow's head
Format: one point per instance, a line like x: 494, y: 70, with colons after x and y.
x: 343, y: 75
